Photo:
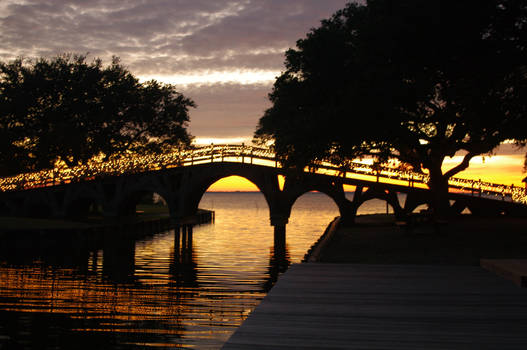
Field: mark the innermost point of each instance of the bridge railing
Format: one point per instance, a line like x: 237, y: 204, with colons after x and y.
x: 132, y: 164
x: 135, y: 164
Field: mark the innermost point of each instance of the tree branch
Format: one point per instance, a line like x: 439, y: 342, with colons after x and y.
x: 461, y: 166
x: 432, y: 106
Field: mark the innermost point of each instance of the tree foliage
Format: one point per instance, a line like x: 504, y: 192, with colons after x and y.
x: 410, y: 79
x: 67, y: 109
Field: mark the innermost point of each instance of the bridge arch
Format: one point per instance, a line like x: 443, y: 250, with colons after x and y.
x: 296, y: 186
x: 80, y: 200
x: 38, y: 206
x: 414, y: 201
x: 324, y: 196
x: 81, y: 206
x: 133, y: 193
x: 205, y: 179
x: 135, y: 198
x: 383, y: 206
x: 389, y: 196
x: 334, y: 194
x: 7, y: 207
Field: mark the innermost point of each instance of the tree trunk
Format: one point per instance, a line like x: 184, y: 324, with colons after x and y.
x: 439, y: 202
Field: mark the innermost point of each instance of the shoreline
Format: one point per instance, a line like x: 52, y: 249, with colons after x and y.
x: 464, y: 240
x: 146, y: 220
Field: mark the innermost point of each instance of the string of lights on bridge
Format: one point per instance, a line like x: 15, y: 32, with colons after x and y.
x: 135, y: 164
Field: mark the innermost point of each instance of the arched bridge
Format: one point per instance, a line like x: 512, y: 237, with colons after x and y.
x: 182, y: 177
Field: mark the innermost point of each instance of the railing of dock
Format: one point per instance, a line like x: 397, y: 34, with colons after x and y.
x: 127, y: 164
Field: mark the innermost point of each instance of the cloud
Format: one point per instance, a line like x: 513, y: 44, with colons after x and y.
x: 162, y: 36
x: 179, y: 39
x: 227, y: 110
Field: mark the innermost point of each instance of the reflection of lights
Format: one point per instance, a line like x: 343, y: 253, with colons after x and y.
x: 35, y: 290
x: 140, y: 163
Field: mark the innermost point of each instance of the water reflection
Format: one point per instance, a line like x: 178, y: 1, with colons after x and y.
x: 183, y: 272
x: 111, y: 294
x: 279, y: 261
x: 185, y: 288
x: 118, y: 257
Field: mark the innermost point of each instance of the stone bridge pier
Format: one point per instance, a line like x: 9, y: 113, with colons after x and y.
x: 197, y: 181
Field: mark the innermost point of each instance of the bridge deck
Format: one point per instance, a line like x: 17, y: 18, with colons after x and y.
x: 350, y: 306
x: 129, y: 164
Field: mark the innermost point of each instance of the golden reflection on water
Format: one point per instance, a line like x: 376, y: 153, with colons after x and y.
x: 161, y: 296
x: 159, y: 291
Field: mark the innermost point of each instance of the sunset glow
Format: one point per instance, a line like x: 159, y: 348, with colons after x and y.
x: 501, y: 168
x: 498, y: 169
x: 244, y: 77
x: 504, y: 169
x: 233, y: 184
x: 204, y: 141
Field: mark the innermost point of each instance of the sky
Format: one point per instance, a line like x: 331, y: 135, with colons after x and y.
x: 224, y: 54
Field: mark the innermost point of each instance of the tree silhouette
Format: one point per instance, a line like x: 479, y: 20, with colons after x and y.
x: 409, y: 79
x: 68, y: 109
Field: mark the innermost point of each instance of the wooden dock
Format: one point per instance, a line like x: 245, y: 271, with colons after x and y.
x: 354, y: 306
x: 512, y: 269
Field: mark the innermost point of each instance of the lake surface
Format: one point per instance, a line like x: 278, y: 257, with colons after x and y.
x: 152, y: 293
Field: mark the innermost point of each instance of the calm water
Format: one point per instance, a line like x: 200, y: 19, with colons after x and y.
x: 153, y: 293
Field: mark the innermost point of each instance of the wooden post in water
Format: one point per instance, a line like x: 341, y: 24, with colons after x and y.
x: 279, y: 239
x: 189, y: 238
x: 184, y: 236
x: 177, y: 242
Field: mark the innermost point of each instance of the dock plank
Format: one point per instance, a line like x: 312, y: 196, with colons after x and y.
x: 512, y: 269
x: 354, y: 306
